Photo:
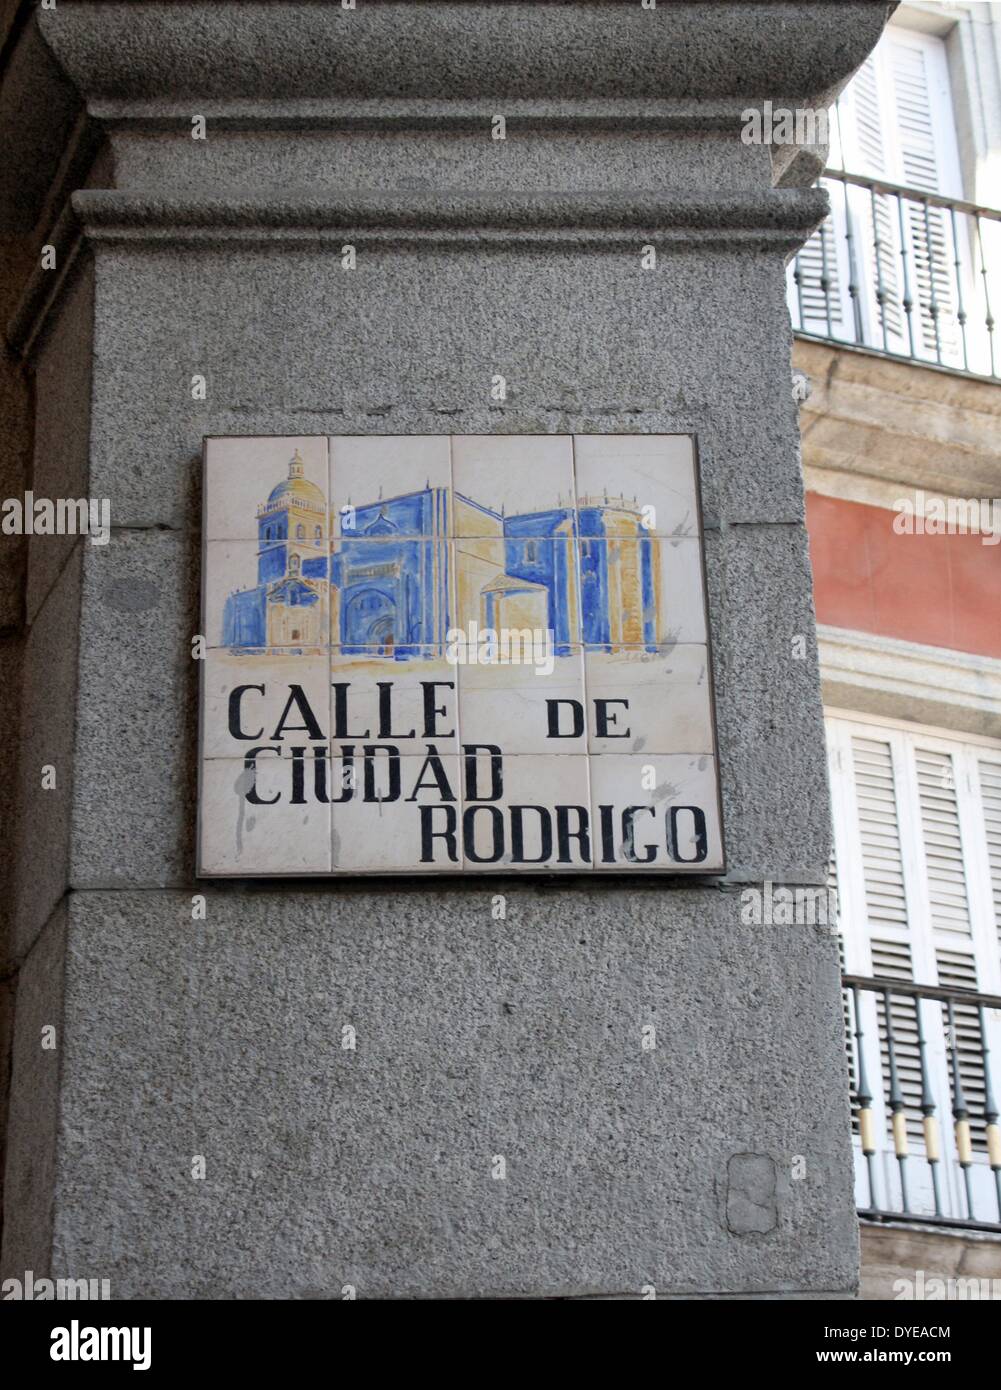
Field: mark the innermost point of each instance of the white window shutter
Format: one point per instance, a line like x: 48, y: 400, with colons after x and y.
x: 943, y: 848
x: 926, y: 154
x: 867, y: 123
x: 893, y: 123
x: 958, y: 970
x: 917, y: 818
x: 882, y: 862
x: 990, y: 793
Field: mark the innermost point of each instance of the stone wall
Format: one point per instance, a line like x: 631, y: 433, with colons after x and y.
x: 476, y: 1037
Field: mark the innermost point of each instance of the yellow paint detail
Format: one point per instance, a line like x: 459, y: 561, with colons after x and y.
x: 994, y: 1146
x: 865, y: 1131
x: 933, y: 1151
x: 900, y: 1134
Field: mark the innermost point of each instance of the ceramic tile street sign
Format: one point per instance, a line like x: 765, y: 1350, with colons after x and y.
x: 465, y: 654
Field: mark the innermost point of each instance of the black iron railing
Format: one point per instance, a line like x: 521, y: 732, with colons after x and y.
x: 903, y: 273
x: 918, y: 1055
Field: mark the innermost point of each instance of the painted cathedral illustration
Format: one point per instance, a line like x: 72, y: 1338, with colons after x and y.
x: 385, y: 585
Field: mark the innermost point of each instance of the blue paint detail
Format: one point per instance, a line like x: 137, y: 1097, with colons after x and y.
x: 591, y: 521
x: 648, y: 592
x: 272, y: 528
x: 411, y: 515
x: 392, y: 574
x: 594, y: 592
x: 316, y: 568
x: 558, y: 521
x: 244, y: 622
x: 389, y: 598
x: 294, y: 594
x: 272, y: 563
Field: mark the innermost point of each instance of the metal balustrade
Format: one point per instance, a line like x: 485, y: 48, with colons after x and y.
x: 919, y: 1056
x: 903, y: 273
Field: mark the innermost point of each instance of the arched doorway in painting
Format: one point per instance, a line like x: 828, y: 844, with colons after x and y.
x: 368, y: 619
x: 384, y: 636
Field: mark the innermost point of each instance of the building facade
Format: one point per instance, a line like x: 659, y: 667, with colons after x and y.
x: 894, y: 302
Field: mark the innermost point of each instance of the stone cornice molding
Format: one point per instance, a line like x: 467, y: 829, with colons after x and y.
x: 418, y: 113
x: 144, y: 68
x: 909, y: 680
x: 138, y: 50
x: 774, y: 219
x: 150, y: 65
x: 781, y: 218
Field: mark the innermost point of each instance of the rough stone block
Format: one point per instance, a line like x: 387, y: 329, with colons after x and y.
x: 47, y: 740
x: 137, y: 720
x: 773, y: 769
x: 410, y: 341
x: 35, y: 1103
x: 475, y: 1040
x: 62, y: 435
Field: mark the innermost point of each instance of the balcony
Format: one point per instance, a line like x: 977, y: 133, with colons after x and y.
x: 902, y: 273
x: 924, y: 1117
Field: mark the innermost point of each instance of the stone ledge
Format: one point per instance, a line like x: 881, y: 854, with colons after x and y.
x: 908, y: 680
x: 895, y: 1256
x: 775, y: 219
x: 779, y: 216
x: 420, y: 113
x: 899, y: 422
x: 131, y: 51
x: 592, y: 64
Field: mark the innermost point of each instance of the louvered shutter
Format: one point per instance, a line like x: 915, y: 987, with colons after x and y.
x: 894, y: 123
x: 892, y: 959
x: 847, y: 1014
x: 819, y: 275
x: 882, y: 864
x: 866, y: 125
x: 921, y: 156
x: 819, y: 284
x: 886, y: 913
x: 918, y: 863
x: 990, y: 792
x: 958, y: 970
x: 943, y: 846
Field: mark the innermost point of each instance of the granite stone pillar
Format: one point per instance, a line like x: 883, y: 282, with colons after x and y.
x: 717, y: 1162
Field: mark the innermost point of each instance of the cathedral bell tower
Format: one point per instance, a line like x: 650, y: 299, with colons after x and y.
x: 292, y: 559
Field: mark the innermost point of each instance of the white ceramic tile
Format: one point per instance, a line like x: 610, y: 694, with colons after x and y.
x: 390, y: 485
x: 242, y: 474
x: 393, y: 594
x: 265, y: 601
x: 271, y: 836
x: 511, y: 482
x: 683, y: 591
x: 542, y: 800
x: 661, y: 792
x: 616, y: 609
x: 646, y: 480
x: 278, y: 700
x: 649, y: 702
x: 396, y: 815
x: 525, y: 707
x: 352, y: 640
x: 410, y: 704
